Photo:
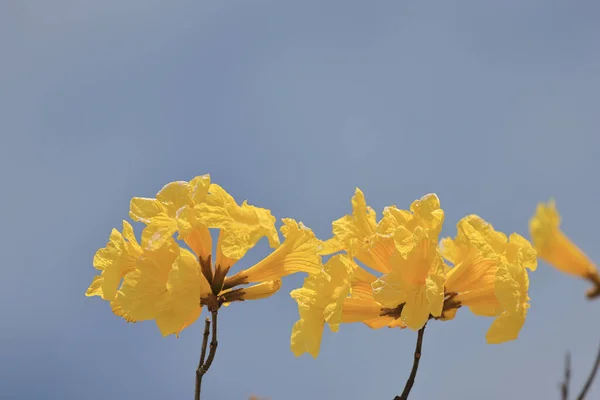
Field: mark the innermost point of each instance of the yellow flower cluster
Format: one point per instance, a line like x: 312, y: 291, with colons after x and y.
x: 413, y: 283
x: 160, y: 280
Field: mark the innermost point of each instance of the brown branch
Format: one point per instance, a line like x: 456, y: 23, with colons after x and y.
x: 413, y: 373
x: 590, y: 378
x: 202, y: 357
x: 202, y: 369
x: 564, y: 388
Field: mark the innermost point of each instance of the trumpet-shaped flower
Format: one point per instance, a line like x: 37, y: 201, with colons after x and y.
x: 341, y: 293
x: 320, y: 300
x: 115, y: 260
x: 554, y: 247
x: 165, y: 282
x: 356, y: 294
x: 489, y: 276
x: 417, y: 275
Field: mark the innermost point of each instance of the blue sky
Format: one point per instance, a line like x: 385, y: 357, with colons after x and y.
x: 291, y: 105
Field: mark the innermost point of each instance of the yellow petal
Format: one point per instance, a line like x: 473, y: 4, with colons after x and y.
x: 261, y: 290
x: 340, y: 269
x: 186, y: 286
x: 144, y: 288
x: 397, y: 323
x: 554, y: 246
x: 200, y: 186
x: 417, y: 281
x: 361, y: 224
x: 306, y: 335
x: 512, y: 292
x: 144, y: 209
x: 360, y: 310
x: 175, y: 195
x: 242, y: 226
x: 159, y: 231
x: 392, y: 219
x: 105, y: 257
x: 416, y: 310
x: 221, y: 259
x: 382, y: 322
x: 95, y: 288
x: 320, y: 300
x: 448, y: 315
x: 362, y: 290
x: 427, y: 214
x: 505, y: 328
x: 298, y: 253
x: 452, y: 251
x: 129, y: 236
x: 357, y: 234
x: 520, y: 251
x: 115, y: 260
x: 472, y: 273
x: 254, y: 292
x: 193, y: 232
x: 330, y: 246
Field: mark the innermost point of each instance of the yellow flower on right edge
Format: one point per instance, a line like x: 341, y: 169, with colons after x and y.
x: 554, y: 247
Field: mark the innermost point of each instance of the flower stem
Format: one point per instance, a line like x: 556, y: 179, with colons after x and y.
x: 413, y: 373
x: 203, y: 365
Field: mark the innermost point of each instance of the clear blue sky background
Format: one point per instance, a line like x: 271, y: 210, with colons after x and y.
x: 492, y: 105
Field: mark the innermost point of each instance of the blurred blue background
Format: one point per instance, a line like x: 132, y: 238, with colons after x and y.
x: 492, y: 105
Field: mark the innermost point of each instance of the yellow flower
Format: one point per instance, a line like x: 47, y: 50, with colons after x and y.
x: 319, y: 301
x: 489, y: 276
x: 554, y: 247
x: 348, y: 289
x: 115, y: 260
x: 416, y: 279
x: 169, y: 284
x: 298, y: 253
x: 341, y: 293
x: 361, y: 306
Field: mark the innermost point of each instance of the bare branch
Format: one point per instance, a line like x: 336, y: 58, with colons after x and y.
x: 213, y: 344
x: 590, y: 378
x: 202, y: 357
x: 413, y: 373
x: 205, y: 365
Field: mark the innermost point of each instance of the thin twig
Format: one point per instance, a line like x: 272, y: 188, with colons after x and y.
x: 590, y: 378
x: 202, y: 369
x: 202, y: 357
x: 413, y: 373
x: 565, y: 385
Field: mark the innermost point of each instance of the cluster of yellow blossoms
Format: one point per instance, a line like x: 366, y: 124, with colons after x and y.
x: 394, y: 272
x: 159, y: 280
x: 415, y: 284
